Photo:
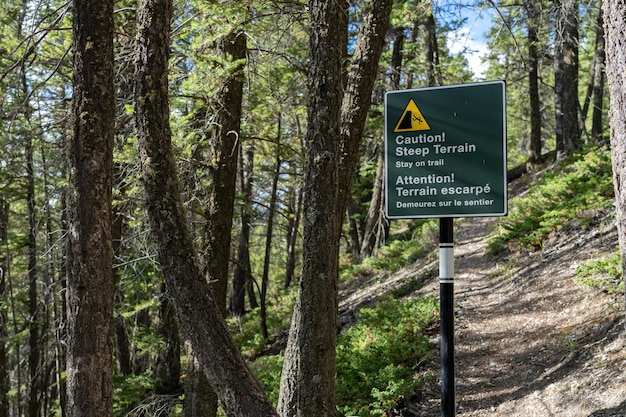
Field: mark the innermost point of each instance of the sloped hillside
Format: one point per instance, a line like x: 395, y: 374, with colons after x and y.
x: 530, y: 339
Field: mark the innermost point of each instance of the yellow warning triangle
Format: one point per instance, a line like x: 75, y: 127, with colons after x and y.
x: 412, y: 119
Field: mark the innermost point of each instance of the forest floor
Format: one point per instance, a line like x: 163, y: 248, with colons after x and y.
x: 530, y: 342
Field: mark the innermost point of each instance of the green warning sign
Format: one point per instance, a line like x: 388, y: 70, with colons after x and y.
x: 445, y: 151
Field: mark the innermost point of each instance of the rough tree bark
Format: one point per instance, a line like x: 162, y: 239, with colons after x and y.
x: 197, y: 310
x: 90, y: 284
x: 4, y: 320
x: 357, y: 98
x: 167, y: 366
x: 376, y: 226
x: 356, y: 103
x: 566, y: 78
x: 308, y: 380
x: 265, y: 278
x: 242, y: 270
x: 598, y: 81
x: 534, y: 146
x: 294, y: 215
x: 221, y: 164
x: 615, y: 35
x: 307, y: 385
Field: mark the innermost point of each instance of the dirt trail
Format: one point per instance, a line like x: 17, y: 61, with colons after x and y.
x: 529, y: 341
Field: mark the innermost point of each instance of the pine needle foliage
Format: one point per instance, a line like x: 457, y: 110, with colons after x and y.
x: 603, y: 274
x: 378, y: 359
x: 570, y: 192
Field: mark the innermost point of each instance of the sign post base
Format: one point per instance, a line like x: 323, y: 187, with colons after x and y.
x: 446, y: 305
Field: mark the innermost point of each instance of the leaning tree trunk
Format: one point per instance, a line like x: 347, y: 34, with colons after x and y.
x: 198, y: 311
x: 90, y: 284
x: 615, y: 35
x: 308, y: 381
x: 357, y: 98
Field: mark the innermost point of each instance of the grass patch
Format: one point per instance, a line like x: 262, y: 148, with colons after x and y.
x: 575, y: 187
x: 604, y: 274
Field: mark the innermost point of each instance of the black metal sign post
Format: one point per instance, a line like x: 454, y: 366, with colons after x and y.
x: 446, y: 306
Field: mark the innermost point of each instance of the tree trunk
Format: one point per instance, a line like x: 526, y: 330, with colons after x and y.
x: 534, y: 145
x: 354, y: 245
x: 61, y: 313
x: 167, y: 367
x: 432, y: 50
x: 396, y: 58
x: 34, y: 343
x: 595, y: 85
x: 122, y: 344
x: 308, y: 381
x: 598, y: 81
x: 48, y: 380
x: 90, y: 285
x: 615, y: 33
x: 199, y: 399
x: 292, y: 234
x: 222, y: 162
x: 198, y: 311
x: 4, y: 319
x: 139, y: 358
x: 566, y: 78
x: 307, y: 385
x: 242, y: 270
x: 220, y: 200
x: 357, y: 98
x: 268, y: 237
x: 376, y: 226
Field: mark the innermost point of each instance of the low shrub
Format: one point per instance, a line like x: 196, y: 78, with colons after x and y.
x: 572, y: 189
x: 377, y: 358
x: 604, y: 274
